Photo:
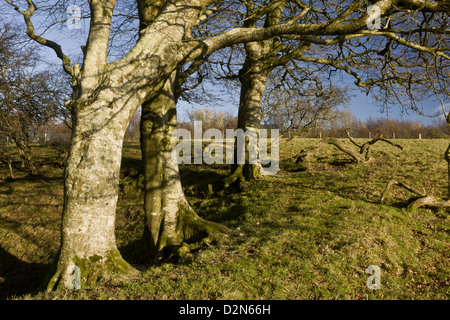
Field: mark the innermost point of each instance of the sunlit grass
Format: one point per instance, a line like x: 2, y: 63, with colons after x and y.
x: 301, y: 234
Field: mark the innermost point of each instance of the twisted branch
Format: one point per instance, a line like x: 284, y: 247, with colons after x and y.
x: 362, y: 156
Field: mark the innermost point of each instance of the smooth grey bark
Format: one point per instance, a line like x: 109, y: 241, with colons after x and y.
x: 105, y: 98
x: 253, y: 78
x: 90, y: 200
x: 253, y: 83
x: 172, y: 228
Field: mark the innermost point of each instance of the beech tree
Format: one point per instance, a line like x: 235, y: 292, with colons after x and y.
x: 106, y: 94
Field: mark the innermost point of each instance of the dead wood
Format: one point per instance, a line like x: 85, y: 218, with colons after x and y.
x: 424, y: 200
x: 362, y: 156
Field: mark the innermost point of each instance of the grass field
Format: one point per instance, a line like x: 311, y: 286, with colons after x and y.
x: 305, y: 233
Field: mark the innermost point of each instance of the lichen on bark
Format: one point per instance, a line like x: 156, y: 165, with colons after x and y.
x: 172, y: 228
x: 111, y: 266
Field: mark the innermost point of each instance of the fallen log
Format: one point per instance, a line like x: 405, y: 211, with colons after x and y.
x: 363, y: 155
x: 424, y: 200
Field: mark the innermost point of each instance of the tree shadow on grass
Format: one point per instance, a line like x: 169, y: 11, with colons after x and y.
x: 200, y: 176
x: 17, y: 277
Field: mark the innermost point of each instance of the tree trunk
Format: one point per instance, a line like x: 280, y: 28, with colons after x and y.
x: 253, y: 80
x: 90, y: 198
x: 253, y: 77
x: 25, y: 156
x: 172, y: 228
x: 104, y: 100
x: 8, y: 160
x: 447, y: 158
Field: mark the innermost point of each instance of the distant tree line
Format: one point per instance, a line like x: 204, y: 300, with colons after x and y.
x: 388, y: 128
x: 31, y: 99
x: 57, y: 132
x: 334, y: 127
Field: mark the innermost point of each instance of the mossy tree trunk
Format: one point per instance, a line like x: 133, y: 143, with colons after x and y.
x: 105, y: 96
x: 253, y: 77
x: 91, y: 184
x: 447, y: 157
x: 253, y: 83
x: 172, y: 228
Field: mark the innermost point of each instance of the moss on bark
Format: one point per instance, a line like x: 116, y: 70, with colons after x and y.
x: 172, y: 229
x: 92, y: 270
x: 191, y: 233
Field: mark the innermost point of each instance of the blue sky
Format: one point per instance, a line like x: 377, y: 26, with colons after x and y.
x: 361, y: 106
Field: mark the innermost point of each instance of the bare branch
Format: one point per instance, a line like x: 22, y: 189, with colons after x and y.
x: 27, y: 14
x: 402, y: 185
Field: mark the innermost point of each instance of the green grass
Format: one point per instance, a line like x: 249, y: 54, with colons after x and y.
x: 301, y: 234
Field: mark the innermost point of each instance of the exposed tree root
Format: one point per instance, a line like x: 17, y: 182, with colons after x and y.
x: 424, y: 200
x: 364, y: 148
x: 362, y: 156
x: 402, y: 185
x: 236, y: 176
x: 430, y: 202
x: 240, y: 175
x: 191, y: 233
x: 92, y: 269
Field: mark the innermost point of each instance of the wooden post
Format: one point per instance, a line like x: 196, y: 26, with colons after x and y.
x: 320, y: 135
x: 420, y: 136
x: 393, y: 135
x: 370, y: 135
